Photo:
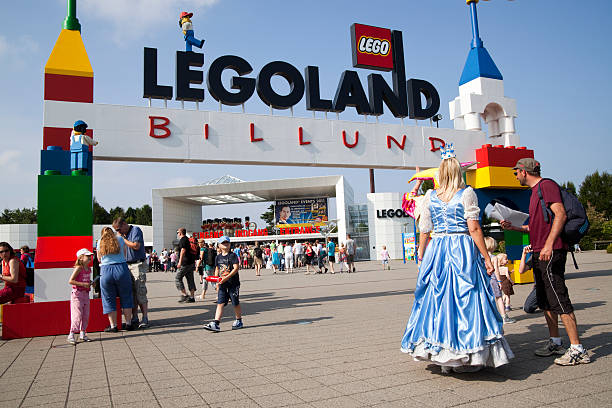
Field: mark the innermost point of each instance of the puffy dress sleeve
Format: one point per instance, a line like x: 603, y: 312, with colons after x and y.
x: 470, y: 204
x: 423, y: 214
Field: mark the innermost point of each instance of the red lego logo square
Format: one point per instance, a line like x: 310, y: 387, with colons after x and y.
x: 372, y: 47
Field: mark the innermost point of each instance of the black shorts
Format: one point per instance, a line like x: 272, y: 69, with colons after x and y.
x: 227, y: 292
x: 551, y: 292
x: 331, y: 258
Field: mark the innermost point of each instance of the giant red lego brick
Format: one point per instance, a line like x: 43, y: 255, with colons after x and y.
x: 54, y: 136
x: 500, y: 156
x: 49, y: 319
x: 59, y: 252
x: 68, y: 88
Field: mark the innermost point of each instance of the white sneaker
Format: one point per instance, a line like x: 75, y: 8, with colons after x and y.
x: 212, y: 326
x: 71, y: 339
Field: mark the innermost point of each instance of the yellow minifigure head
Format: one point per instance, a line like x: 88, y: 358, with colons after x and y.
x: 185, y: 16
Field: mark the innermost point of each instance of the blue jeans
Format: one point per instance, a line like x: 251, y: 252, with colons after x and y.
x: 115, y: 280
x: 79, y: 156
x: 191, y: 40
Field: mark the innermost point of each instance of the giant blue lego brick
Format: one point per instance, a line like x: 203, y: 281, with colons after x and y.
x: 58, y: 159
x: 515, y: 199
x: 514, y: 252
x: 55, y: 160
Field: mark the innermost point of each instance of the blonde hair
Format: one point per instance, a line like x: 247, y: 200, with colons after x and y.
x: 502, y: 257
x: 80, y: 261
x: 108, y: 242
x: 490, y: 243
x: 449, y: 178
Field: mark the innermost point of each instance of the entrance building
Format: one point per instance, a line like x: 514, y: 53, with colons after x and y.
x: 182, y: 207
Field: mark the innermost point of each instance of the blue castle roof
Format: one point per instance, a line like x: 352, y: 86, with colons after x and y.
x: 479, y: 63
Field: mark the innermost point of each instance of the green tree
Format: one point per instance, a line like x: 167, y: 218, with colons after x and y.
x: 268, y: 217
x: 117, y: 212
x: 569, y: 186
x: 131, y: 215
x: 19, y: 216
x: 100, y: 215
x: 600, y: 229
x: 596, y: 190
x: 144, y: 215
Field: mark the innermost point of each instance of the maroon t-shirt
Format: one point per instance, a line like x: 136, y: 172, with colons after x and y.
x: 538, y: 228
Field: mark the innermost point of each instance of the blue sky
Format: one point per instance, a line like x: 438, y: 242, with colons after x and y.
x: 554, y: 55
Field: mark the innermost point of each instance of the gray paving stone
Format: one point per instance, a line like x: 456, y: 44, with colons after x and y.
x: 277, y: 400
x: 339, y: 402
x: 329, y: 362
x: 316, y: 394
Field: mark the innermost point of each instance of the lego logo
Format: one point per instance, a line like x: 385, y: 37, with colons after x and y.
x: 376, y: 46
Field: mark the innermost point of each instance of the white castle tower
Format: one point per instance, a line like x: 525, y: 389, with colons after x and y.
x: 481, y: 94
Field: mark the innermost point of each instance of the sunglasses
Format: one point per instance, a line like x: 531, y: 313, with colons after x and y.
x: 4, y: 250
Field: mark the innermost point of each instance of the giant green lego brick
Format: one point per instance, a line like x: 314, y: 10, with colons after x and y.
x: 65, y: 206
x: 516, y: 238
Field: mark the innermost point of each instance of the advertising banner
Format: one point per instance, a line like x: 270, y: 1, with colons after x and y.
x: 304, y: 212
x: 409, y: 244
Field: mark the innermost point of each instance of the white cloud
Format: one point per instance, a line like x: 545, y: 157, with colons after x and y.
x: 12, y: 50
x: 9, y: 160
x: 133, y: 19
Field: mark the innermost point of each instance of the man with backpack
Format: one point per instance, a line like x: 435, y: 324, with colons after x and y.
x: 547, y: 219
x: 186, y: 266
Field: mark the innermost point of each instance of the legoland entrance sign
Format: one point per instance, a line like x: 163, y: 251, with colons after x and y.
x: 373, y: 47
x: 156, y: 134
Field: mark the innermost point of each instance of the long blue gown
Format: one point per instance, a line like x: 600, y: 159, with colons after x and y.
x: 454, y: 320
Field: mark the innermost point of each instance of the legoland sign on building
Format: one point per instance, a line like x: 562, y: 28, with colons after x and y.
x: 131, y: 133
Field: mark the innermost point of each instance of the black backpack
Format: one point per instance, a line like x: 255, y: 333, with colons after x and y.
x: 577, y: 224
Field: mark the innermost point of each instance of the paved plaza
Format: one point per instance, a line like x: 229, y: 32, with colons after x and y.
x: 309, y: 341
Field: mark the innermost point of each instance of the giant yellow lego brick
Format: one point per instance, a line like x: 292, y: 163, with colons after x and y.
x: 517, y: 277
x: 69, y: 56
x: 492, y: 177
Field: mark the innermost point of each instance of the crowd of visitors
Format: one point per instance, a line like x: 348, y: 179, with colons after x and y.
x: 462, y: 295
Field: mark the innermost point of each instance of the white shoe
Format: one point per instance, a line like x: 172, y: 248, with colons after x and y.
x: 71, y: 339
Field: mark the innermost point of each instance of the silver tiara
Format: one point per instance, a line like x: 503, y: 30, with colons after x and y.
x: 448, y: 151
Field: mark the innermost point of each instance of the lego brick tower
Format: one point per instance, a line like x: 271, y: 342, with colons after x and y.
x: 481, y: 97
x: 65, y: 212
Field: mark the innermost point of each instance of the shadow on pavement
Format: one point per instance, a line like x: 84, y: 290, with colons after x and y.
x: 587, y: 274
x: 526, y: 364
x: 269, y: 305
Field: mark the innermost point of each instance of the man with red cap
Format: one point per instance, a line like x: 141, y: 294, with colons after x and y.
x: 549, y: 257
x: 187, y: 27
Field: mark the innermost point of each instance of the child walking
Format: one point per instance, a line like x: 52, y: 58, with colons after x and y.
x: 79, y: 298
x: 228, y: 287
x: 384, y: 255
x: 342, y: 258
x: 491, y: 245
x: 506, y: 282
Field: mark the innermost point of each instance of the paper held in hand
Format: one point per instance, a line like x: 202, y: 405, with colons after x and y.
x: 500, y: 212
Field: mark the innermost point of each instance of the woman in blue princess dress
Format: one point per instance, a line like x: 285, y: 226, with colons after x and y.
x: 454, y: 322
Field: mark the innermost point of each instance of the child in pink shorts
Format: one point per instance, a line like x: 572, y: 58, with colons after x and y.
x: 79, y: 299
